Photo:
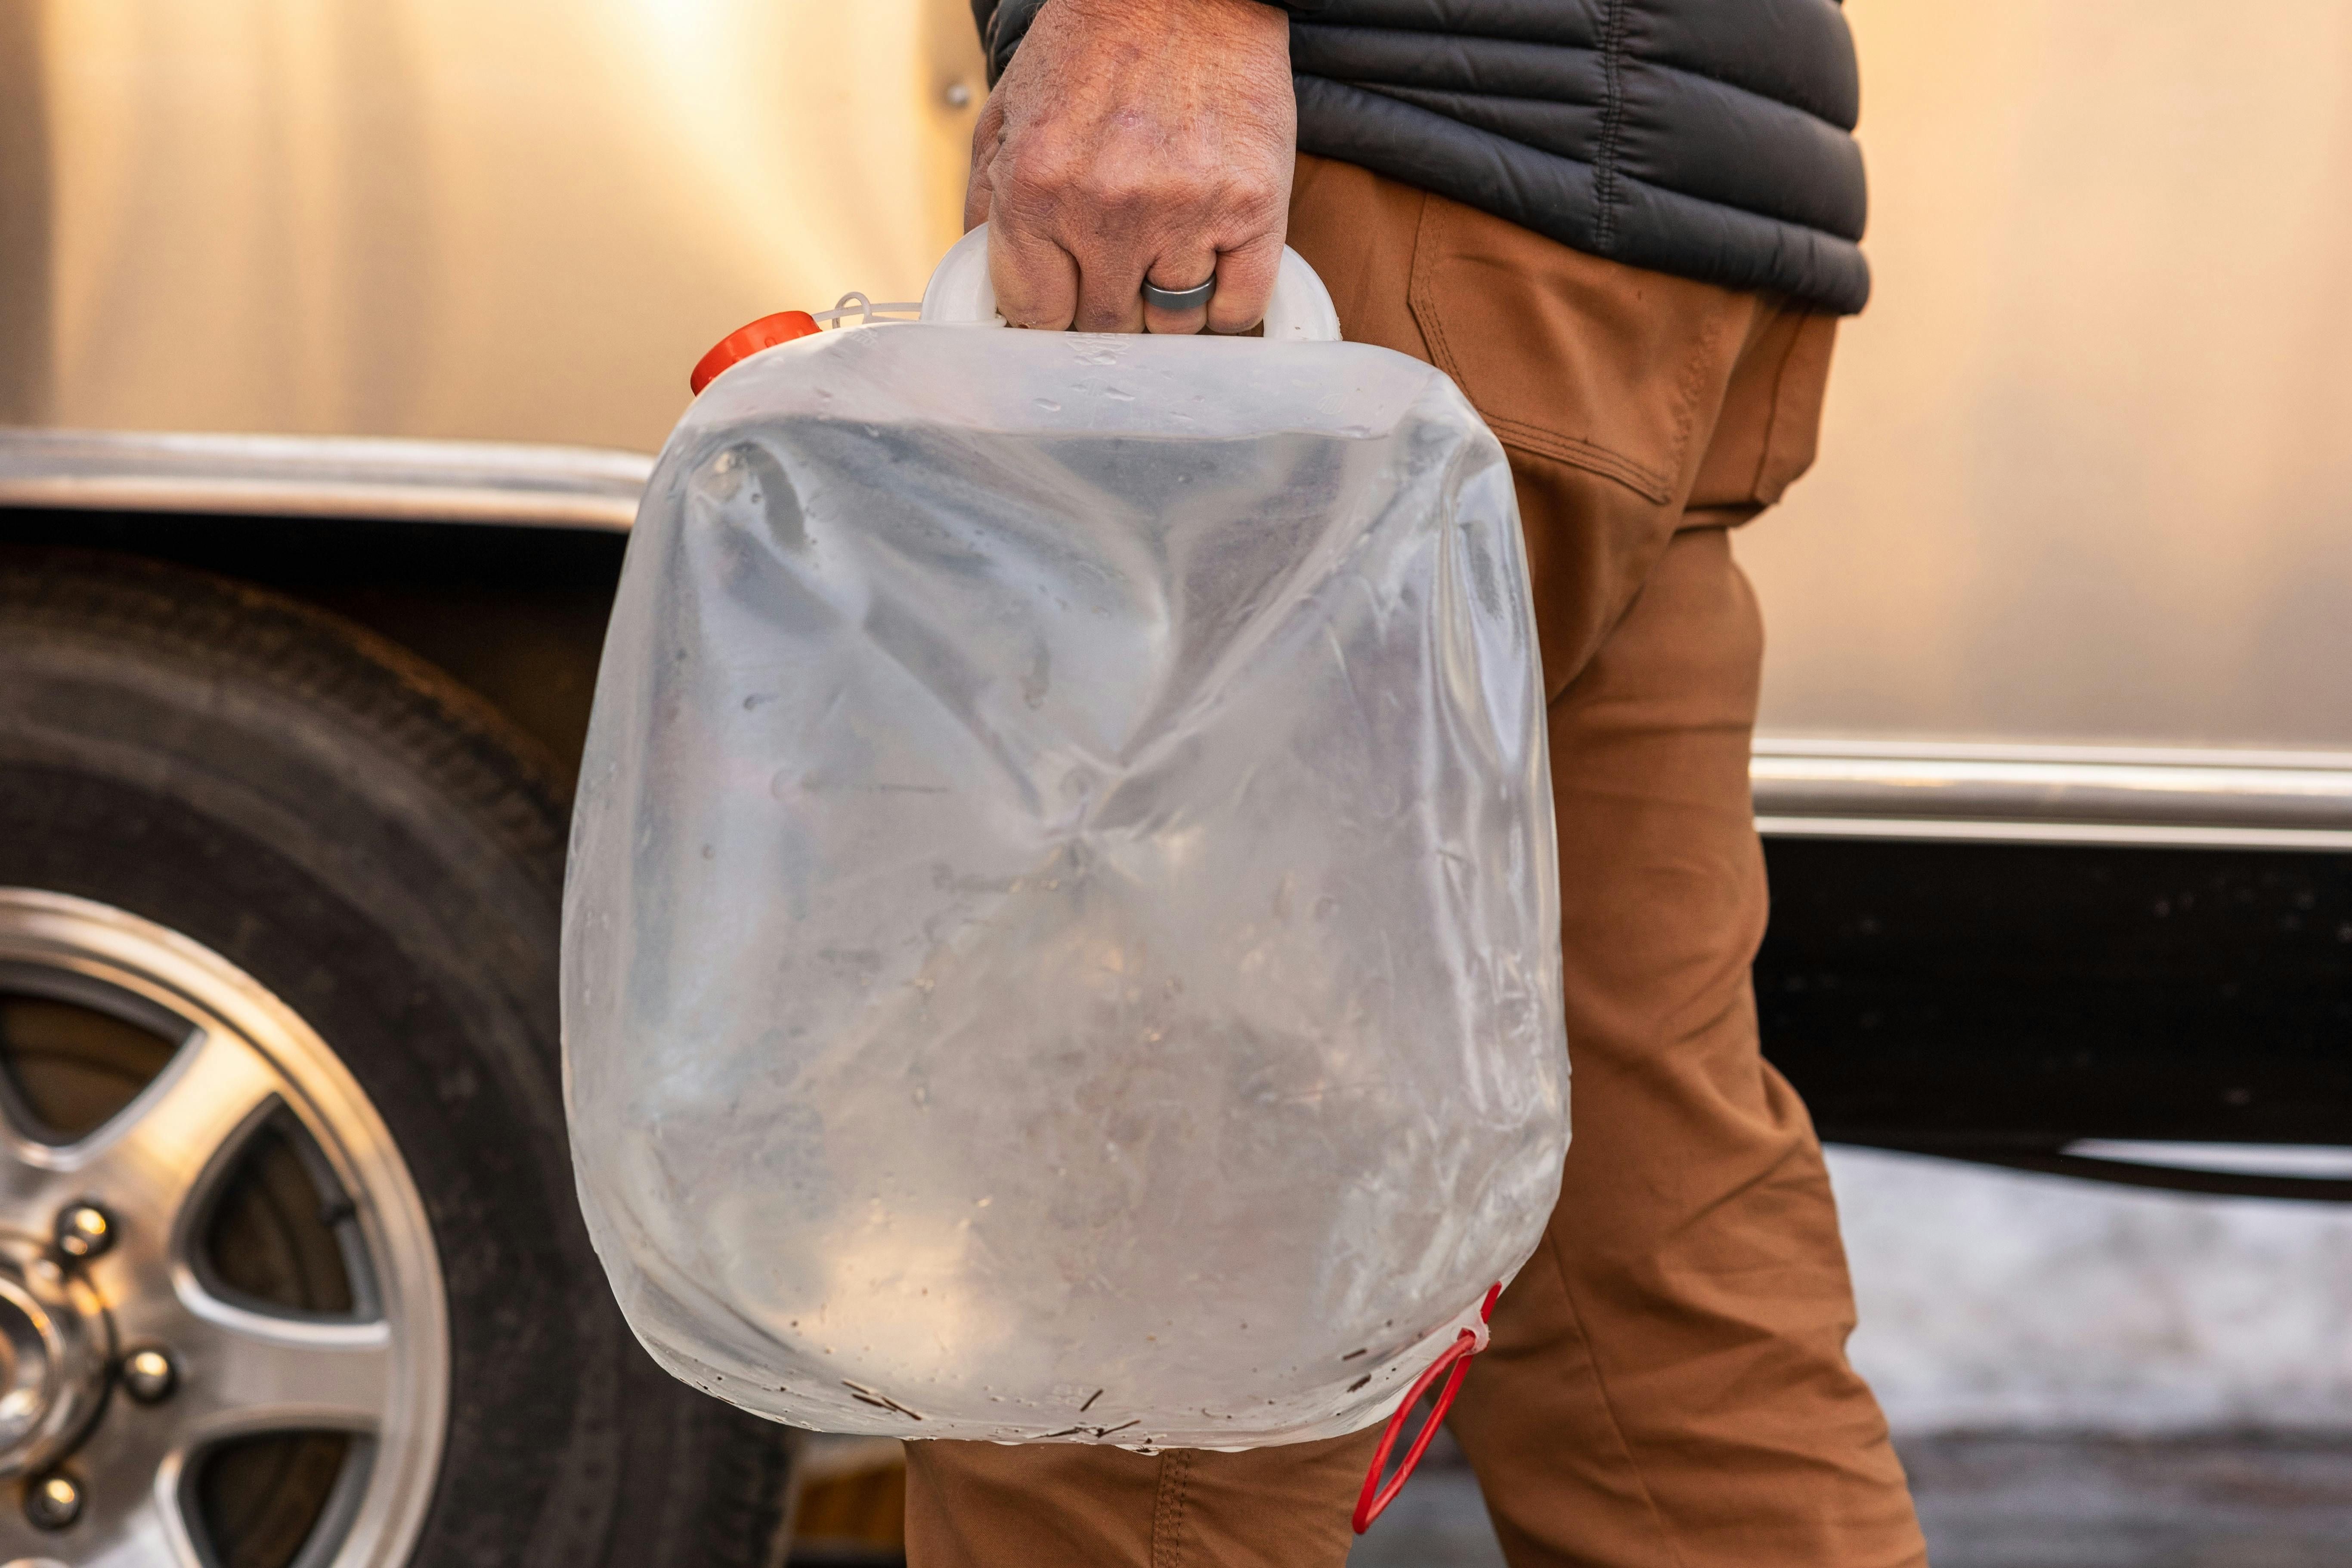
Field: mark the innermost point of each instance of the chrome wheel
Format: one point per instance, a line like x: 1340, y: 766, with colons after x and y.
x: 223, y: 1335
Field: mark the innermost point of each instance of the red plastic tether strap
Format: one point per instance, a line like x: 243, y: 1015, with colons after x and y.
x: 1375, y: 1497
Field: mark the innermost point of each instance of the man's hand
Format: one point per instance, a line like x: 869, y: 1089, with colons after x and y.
x: 1135, y: 139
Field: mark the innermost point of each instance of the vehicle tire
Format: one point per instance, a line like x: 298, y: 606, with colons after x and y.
x: 230, y: 821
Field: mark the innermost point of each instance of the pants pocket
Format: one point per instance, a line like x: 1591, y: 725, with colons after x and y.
x: 1574, y: 357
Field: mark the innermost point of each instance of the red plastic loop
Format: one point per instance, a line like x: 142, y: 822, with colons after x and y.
x: 744, y: 342
x: 1375, y: 1498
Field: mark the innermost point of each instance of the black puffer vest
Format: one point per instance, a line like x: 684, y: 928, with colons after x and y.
x: 1705, y: 138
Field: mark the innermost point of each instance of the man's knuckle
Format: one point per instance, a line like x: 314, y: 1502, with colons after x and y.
x: 1044, y: 167
x: 1122, y: 190
x: 1253, y: 192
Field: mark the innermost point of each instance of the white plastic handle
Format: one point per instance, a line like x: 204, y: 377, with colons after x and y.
x: 959, y: 291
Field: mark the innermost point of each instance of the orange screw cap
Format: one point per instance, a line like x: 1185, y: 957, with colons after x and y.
x: 744, y: 342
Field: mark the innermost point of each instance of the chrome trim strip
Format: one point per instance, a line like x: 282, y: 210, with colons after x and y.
x: 321, y: 476
x: 2209, y: 798
x: 2312, y: 1161
x: 1821, y: 788
x: 2234, y: 1174
x: 1919, y: 830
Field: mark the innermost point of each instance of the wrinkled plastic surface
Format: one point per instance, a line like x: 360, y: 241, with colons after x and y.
x: 1062, y: 939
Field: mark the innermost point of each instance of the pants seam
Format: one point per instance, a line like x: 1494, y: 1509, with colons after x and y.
x: 1168, y: 1517
x: 1609, y: 1405
x: 1652, y: 484
x: 1772, y: 418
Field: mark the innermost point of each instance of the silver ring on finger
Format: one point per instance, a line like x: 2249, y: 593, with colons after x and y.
x: 1180, y: 298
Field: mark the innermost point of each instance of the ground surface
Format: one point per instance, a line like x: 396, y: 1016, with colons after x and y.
x: 1993, y: 1501
x: 2006, y: 1501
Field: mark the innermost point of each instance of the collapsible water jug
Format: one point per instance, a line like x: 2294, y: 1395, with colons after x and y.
x: 1063, y: 936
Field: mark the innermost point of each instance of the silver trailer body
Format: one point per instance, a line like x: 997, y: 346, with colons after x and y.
x: 366, y: 316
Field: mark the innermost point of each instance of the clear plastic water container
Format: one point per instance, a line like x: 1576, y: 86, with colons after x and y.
x: 1062, y: 940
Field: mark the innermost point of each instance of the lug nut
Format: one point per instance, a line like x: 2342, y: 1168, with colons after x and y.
x: 148, y: 1375
x: 52, y: 1503
x: 84, y: 1230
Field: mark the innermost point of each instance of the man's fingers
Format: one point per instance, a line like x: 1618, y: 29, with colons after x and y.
x: 1036, y: 282
x: 1245, y: 284
x: 1179, y: 267
x: 976, y: 195
x: 986, y: 138
x: 1110, y: 292
x: 1041, y: 285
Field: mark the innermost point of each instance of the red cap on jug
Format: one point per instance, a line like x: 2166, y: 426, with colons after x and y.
x: 744, y: 342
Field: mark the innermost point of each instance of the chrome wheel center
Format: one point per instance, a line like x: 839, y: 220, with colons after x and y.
x: 54, y: 1344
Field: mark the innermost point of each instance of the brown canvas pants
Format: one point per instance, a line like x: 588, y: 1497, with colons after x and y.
x: 1668, y: 1385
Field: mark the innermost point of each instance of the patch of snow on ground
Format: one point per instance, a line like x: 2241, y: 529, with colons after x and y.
x: 2000, y: 1300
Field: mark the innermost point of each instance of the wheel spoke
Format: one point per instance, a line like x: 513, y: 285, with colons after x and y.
x: 148, y: 1157
x: 28, y: 1174
x: 243, y: 1372
x: 155, y: 1534
x: 141, y: 1528
x: 240, y: 1372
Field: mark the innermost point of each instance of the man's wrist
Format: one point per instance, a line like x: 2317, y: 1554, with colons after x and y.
x: 1172, y: 14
